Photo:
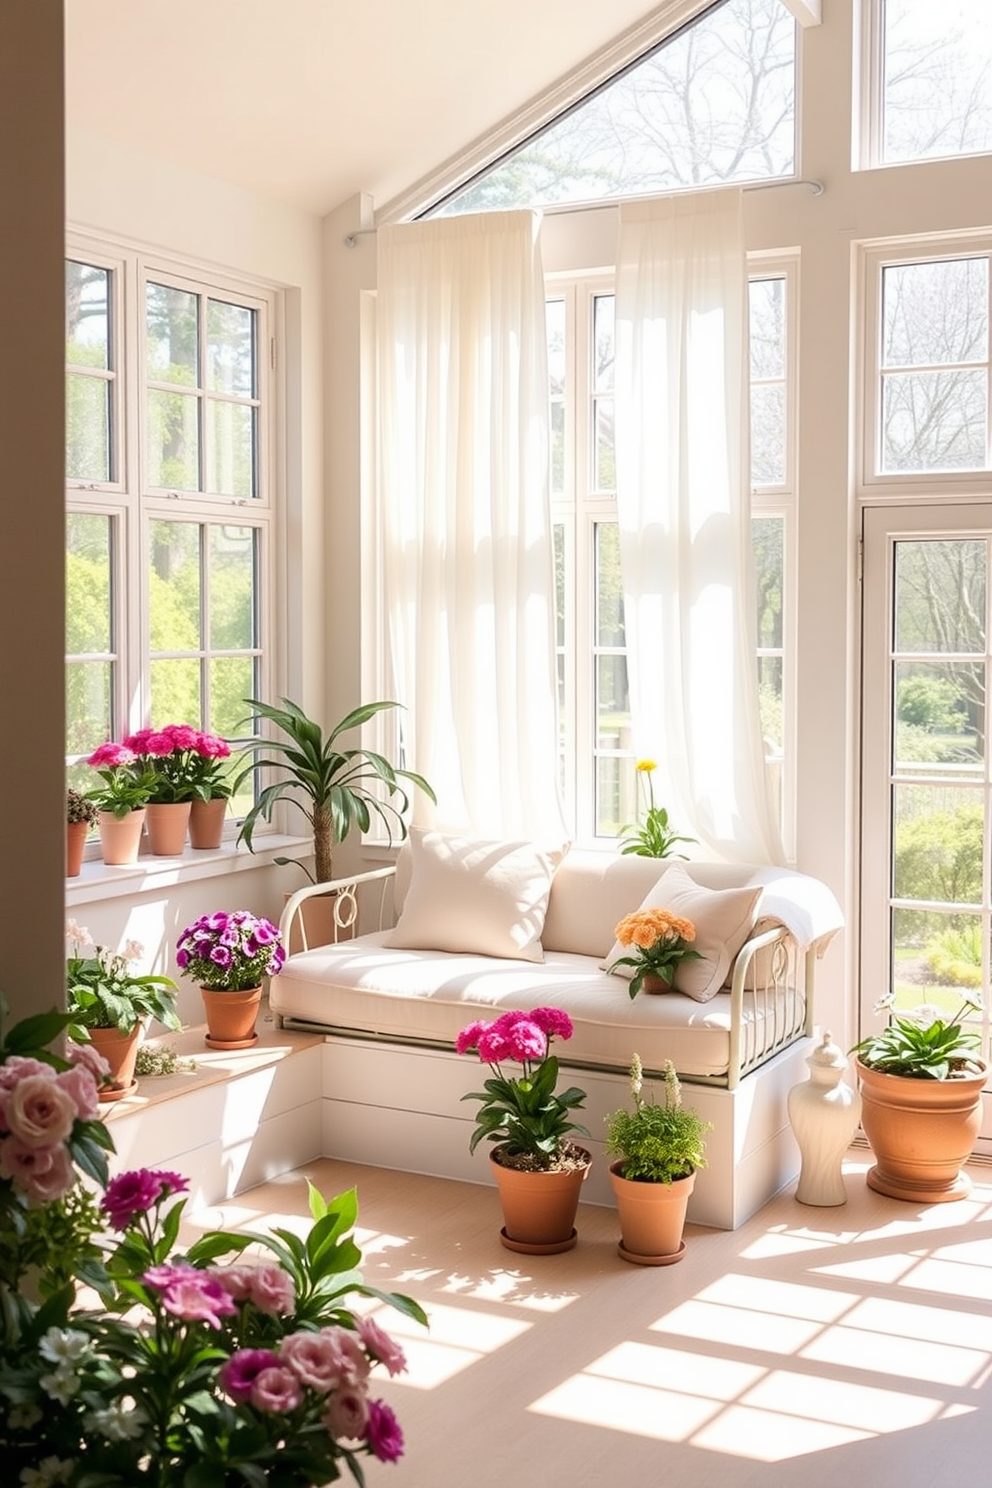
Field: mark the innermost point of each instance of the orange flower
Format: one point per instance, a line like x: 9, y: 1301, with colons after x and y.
x: 647, y: 927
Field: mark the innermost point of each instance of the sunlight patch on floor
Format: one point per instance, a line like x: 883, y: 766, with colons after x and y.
x: 457, y: 1338
x: 890, y: 1354
x: 740, y: 1326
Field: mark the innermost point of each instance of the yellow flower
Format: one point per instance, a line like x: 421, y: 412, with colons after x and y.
x: 647, y: 765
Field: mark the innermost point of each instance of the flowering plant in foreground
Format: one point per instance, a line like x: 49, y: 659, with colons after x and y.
x: 524, y: 1114
x: 923, y: 1043
x: 102, y: 990
x: 127, y: 783
x: 230, y: 951
x: 175, y: 1371
x: 659, y: 940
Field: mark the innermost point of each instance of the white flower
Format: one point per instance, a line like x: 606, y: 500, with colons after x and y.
x: 76, y: 933
x: 49, y: 1470
x: 119, y: 1421
x: 62, y: 1383
x: 972, y: 998
x: 63, y: 1345
x: 886, y: 1001
x: 133, y: 950
x: 23, y: 1417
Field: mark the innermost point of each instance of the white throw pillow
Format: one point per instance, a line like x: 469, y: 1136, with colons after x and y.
x: 474, y: 895
x: 723, y: 919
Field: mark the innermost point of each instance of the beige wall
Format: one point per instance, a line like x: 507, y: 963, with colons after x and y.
x: 32, y: 444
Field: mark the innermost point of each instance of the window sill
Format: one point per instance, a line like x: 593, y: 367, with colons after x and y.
x: 98, y: 880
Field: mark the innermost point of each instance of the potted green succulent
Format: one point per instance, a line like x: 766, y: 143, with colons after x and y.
x: 921, y: 1083
x: 657, y: 1151
x: 108, y: 1003
x: 336, y: 789
x: 80, y: 815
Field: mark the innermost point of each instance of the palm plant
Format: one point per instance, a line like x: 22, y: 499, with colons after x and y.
x: 336, y: 789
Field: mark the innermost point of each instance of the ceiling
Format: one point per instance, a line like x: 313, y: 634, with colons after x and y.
x: 311, y: 101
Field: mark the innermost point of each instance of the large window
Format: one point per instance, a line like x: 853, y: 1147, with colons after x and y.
x: 597, y: 760
x: 169, y: 529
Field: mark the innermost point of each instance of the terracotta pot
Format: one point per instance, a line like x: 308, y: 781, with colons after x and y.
x: 166, y: 823
x: 206, y: 822
x: 539, y: 1208
x: 921, y: 1132
x: 120, y: 836
x: 231, y: 1017
x: 120, y: 1050
x: 76, y: 834
x: 652, y: 1217
x: 319, y: 923
x: 652, y: 982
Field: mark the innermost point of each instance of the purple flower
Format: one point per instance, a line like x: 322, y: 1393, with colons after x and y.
x: 221, y: 955
x: 238, y: 1375
x: 383, y: 1432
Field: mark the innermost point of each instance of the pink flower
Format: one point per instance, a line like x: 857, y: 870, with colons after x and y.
x: 81, y: 1087
x: 136, y: 1192
x: 525, y: 1041
x: 159, y: 744
x: 276, y: 1390
x: 238, y: 1374
x: 383, y: 1432
x: 18, y: 1066
x: 381, y: 1346
x: 347, y: 1415
x: 555, y: 1022
x: 350, y: 1361
x: 469, y: 1037
x: 192, y: 1295
x: 236, y: 1280
x: 42, y: 1173
x: 138, y: 741
x: 315, y: 1358
x: 493, y: 1044
x: 212, y: 747
x: 39, y: 1112
x: 183, y: 735
x: 89, y: 1058
x: 272, y: 1290
x: 112, y: 756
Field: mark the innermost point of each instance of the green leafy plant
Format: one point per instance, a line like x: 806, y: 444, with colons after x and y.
x: 655, y: 837
x: 103, y: 992
x: 657, y: 1143
x: 923, y: 1044
x: 526, y: 1115
x: 188, y: 1373
x: 336, y: 789
x: 955, y: 956
x: 127, y: 784
x: 659, y: 941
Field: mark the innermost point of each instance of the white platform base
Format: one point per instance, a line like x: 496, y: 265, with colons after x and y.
x: 425, y: 1126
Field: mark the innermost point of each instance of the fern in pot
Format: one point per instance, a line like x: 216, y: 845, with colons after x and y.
x: 657, y: 1148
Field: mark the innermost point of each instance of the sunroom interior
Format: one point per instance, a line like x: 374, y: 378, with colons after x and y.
x: 264, y: 151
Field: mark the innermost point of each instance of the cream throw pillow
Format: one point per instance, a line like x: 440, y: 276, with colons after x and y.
x: 723, y: 919
x: 475, y: 895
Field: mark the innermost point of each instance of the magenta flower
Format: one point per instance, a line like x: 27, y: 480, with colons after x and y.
x: 238, y: 1374
x: 469, y: 1037
x: 134, y: 1193
x: 190, y: 1294
x: 526, y: 1042
x: 230, y: 950
x: 111, y: 756
x: 210, y: 746
x: 555, y: 1022
x: 383, y: 1432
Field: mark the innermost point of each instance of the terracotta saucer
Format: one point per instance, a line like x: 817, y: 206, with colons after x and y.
x: 230, y: 1043
x: 525, y: 1247
x: 648, y: 1260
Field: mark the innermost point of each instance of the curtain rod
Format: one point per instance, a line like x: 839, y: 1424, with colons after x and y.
x: 815, y: 186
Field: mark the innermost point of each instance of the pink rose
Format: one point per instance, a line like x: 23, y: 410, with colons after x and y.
x: 39, y: 1112
x: 236, y: 1280
x: 273, y: 1290
x: 42, y: 1173
x: 13, y: 1070
x: 89, y: 1058
x: 276, y: 1390
x: 314, y: 1358
x: 238, y: 1375
x: 381, y: 1346
x: 347, y: 1415
x: 81, y: 1088
x: 351, y: 1363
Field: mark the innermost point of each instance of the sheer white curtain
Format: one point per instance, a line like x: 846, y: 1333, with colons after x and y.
x: 683, y: 507
x: 463, y: 478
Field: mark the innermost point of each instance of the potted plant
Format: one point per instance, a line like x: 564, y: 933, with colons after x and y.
x: 214, y: 780
x: 80, y: 815
x: 538, y: 1171
x: 658, y: 942
x: 108, y: 1001
x: 239, y: 1357
x: 655, y: 837
x: 120, y: 802
x: 228, y: 953
x: 921, y: 1084
x: 657, y: 1150
x: 165, y: 755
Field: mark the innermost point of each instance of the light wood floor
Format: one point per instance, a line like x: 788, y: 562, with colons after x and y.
x: 848, y: 1347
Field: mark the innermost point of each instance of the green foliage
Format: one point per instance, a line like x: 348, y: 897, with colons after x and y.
x: 938, y: 856
x: 955, y: 956
x: 922, y: 1044
x: 336, y: 789
x: 931, y: 703
x: 102, y: 991
x: 656, y: 837
x: 78, y: 808
x: 657, y: 1143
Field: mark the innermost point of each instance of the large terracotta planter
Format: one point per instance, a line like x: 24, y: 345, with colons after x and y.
x: 318, y: 914
x: 539, y: 1208
x: 76, y: 834
x: 652, y: 1217
x: 921, y: 1132
x: 120, y: 1050
x: 120, y: 836
x: 206, y: 822
x: 231, y: 1017
x: 166, y: 823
